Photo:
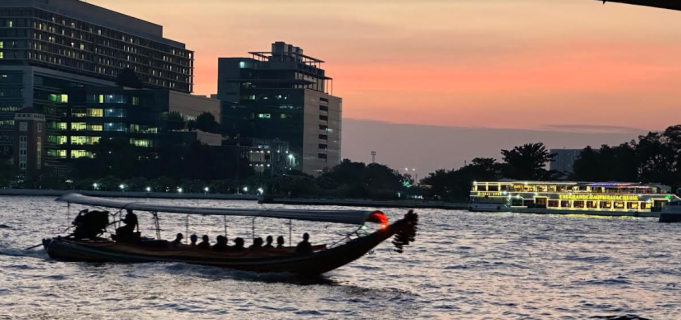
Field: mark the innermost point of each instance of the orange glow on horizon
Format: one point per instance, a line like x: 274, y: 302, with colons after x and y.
x: 510, y: 64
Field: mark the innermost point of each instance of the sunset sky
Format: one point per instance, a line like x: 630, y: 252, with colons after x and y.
x: 561, y: 65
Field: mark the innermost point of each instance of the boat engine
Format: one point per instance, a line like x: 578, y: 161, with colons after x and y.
x: 90, y: 224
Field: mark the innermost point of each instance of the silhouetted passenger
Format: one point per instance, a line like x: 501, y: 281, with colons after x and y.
x: 205, y: 242
x: 257, y: 244
x: 178, y: 239
x: 269, y: 243
x: 221, y: 244
x: 304, y: 247
x: 193, y: 240
x: 126, y: 233
x: 238, y: 245
x: 280, y: 242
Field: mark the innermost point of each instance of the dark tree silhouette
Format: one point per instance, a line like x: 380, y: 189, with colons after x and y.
x: 206, y: 122
x: 527, y: 162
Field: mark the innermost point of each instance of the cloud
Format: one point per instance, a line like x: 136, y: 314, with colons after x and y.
x: 586, y: 128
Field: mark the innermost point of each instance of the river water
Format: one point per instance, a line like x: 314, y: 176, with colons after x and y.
x: 462, y: 266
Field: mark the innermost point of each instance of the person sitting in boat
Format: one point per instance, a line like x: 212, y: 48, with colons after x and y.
x: 178, y: 240
x: 126, y: 233
x: 221, y: 244
x: 205, y: 243
x: 238, y: 245
x: 257, y: 244
x: 280, y: 242
x: 193, y: 240
x: 269, y: 241
x: 304, y: 247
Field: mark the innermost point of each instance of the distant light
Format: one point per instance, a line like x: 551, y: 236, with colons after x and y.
x: 475, y: 183
x: 261, y: 191
x: 290, y: 156
x: 122, y: 187
x: 383, y: 226
x: 245, y: 189
x: 179, y: 190
x: 95, y: 185
x: 206, y: 189
x: 148, y: 189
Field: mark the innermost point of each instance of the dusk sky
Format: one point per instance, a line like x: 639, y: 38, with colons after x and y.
x: 557, y: 65
x: 492, y: 63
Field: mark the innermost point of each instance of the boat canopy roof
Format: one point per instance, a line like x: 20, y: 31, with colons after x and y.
x: 356, y: 217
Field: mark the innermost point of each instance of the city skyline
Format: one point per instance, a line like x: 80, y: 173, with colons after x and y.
x: 573, y: 66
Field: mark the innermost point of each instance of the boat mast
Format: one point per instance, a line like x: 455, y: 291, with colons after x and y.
x: 157, y: 225
x: 186, y: 237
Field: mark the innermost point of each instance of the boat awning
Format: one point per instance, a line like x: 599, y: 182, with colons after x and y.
x: 356, y: 217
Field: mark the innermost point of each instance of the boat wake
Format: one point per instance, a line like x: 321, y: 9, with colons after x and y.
x: 14, y: 252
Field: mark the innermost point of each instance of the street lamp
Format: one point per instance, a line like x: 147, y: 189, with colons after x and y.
x: 245, y: 189
x: 261, y: 191
x: 95, y: 185
x: 148, y: 189
x: 122, y: 186
x: 179, y: 190
x: 206, y: 189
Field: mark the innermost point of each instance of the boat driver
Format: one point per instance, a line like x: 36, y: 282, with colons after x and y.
x: 126, y: 233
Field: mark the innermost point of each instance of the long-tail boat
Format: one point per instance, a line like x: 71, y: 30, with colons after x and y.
x: 321, y: 259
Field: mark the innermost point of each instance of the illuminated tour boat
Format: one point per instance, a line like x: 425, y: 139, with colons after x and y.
x: 592, y: 198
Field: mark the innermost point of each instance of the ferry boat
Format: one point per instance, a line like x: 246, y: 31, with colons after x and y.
x: 568, y: 197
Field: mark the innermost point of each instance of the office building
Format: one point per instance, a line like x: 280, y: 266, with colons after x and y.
x: 564, y: 159
x: 88, y: 115
x: 283, y: 94
x: 49, y: 48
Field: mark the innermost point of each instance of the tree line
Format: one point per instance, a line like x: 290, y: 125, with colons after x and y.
x: 655, y: 157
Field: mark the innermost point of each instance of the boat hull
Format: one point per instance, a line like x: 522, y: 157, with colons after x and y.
x: 315, y: 263
x: 668, y: 217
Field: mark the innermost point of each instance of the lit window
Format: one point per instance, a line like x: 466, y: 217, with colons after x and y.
x: 96, y: 127
x: 75, y: 154
x: 135, y: 101
x: 2, y: 45
x: 78, y: 126
x: 145, y: 143
x: 98, y: 113
x: 2, y: 55
x: 264, y: 116
x: 242, y: 64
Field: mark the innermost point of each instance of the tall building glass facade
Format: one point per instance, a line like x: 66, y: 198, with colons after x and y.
x: 286, y: 95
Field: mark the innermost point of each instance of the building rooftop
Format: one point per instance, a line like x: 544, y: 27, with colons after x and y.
x: 98, y: 16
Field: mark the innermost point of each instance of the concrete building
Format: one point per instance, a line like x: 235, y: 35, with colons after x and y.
x: 51, y: 49
x: 286, y: 95
x: 29, y: 127
x: 564, y: 159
